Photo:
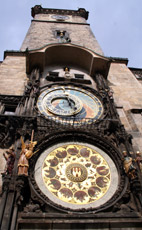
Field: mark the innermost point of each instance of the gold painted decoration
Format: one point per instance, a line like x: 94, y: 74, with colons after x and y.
x: 76, y: 174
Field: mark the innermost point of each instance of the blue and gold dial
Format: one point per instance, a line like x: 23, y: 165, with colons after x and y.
x: 63, y: 104
x: 69, y: 102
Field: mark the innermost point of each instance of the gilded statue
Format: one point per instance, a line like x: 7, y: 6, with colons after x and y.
x: 63, y: 37
x: 67, y: 73
x: 26, y: 153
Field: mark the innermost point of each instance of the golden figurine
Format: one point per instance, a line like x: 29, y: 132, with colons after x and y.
x: 67, y: 73
x: 62, y: 37
x: 26, y: 153
x: 61, y: 34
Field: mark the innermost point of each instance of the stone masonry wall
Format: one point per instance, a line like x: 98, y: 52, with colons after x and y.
x: 42, y: 33
x: 50, y: 17
x: 12, y: 75
x: 128, y: 95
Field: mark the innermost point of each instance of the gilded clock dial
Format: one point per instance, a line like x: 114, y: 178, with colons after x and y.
x: 77, y: 174
x: 69, y: 102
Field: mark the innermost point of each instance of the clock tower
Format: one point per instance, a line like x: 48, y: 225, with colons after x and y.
x: 67, y: 131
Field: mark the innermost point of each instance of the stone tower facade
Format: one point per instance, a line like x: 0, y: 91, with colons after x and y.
x: 70, y: 130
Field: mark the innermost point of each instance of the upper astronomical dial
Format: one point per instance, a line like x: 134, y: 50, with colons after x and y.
x: 70, y: 102
x: 62, y: 104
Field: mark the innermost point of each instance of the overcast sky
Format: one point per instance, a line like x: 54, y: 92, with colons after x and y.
x: 117, y: 24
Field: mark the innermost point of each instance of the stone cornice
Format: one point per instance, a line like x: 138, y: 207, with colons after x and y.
x: 39, y: 10
x: 65, y: 22
x: 14, y: 53
x: 119, y: 60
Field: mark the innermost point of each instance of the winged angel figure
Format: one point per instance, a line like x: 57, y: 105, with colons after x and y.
x: 26, y: 153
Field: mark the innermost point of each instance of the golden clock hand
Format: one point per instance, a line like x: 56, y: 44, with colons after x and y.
x: 63, y: 88
x: 72, y: 105
x: 66, y: 96
x: 68, y: 99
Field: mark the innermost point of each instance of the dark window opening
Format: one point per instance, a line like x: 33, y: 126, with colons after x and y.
x: 9, y: 110
x: 137, y: 111
x: 79, y: 76
x: 54, y: 74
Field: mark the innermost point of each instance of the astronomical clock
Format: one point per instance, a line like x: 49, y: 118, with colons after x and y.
x: 70, y: 164
x: 76, y: 175
x: 69, y: 102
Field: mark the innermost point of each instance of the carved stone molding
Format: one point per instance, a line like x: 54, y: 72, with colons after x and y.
x: 10, y: 99
x: 39, y: 10
x: 11, y: 127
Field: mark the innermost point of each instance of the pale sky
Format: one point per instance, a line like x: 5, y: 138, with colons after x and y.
x: 115, y: 23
